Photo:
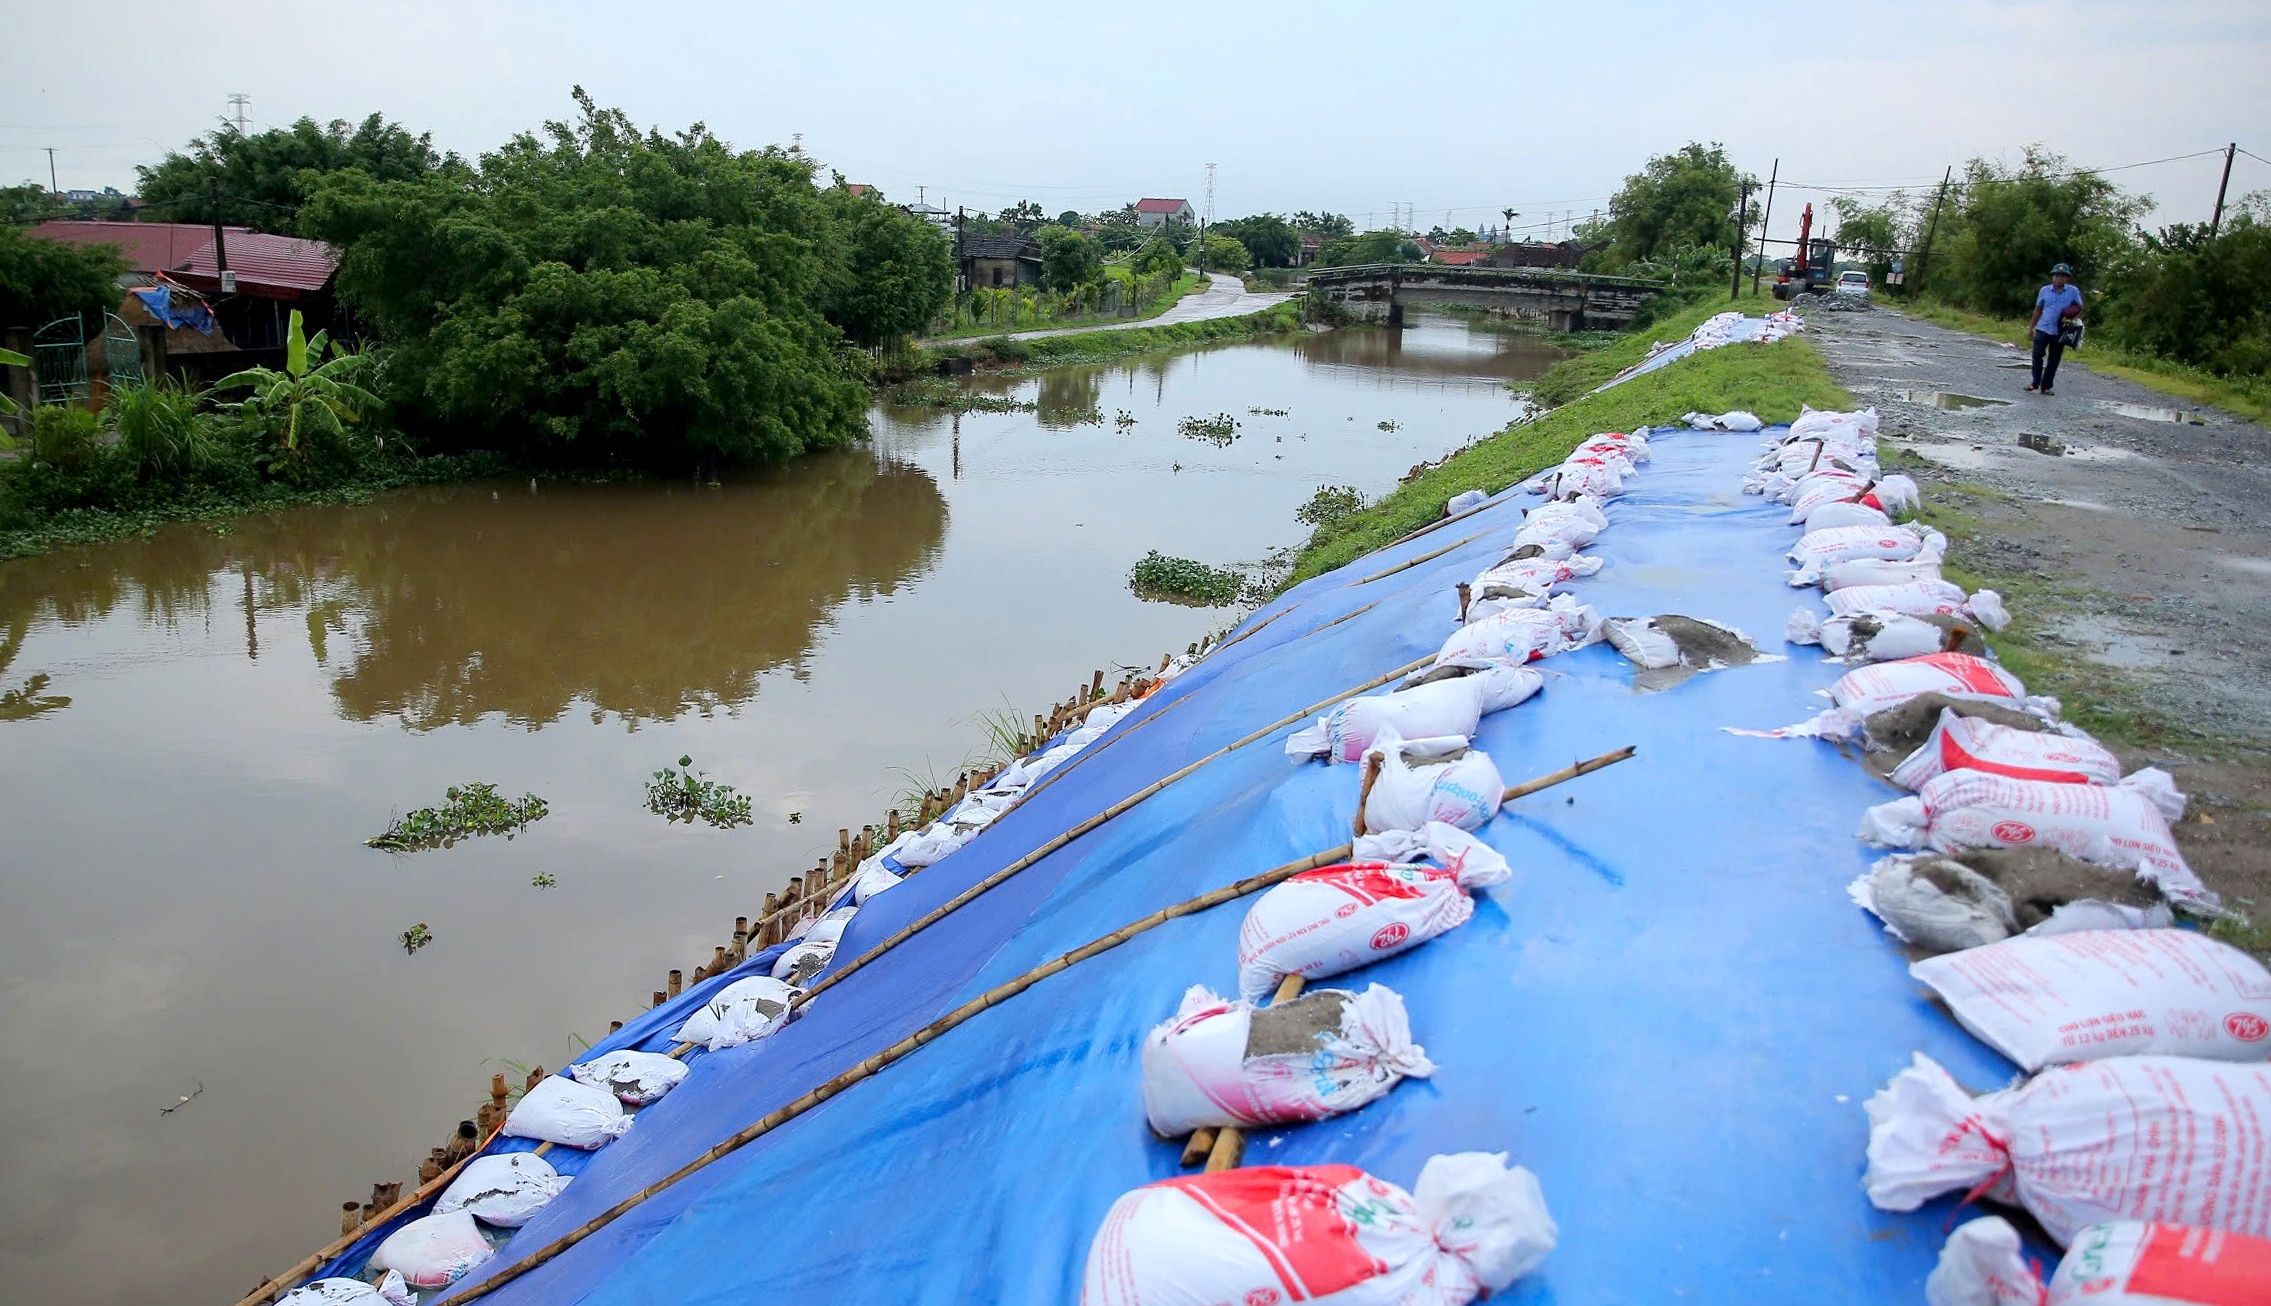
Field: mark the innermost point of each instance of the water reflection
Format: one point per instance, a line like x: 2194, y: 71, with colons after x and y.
x: 442, y: 606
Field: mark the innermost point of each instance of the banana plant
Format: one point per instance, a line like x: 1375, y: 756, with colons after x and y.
x: 8, y: 407
x: 312, y: 392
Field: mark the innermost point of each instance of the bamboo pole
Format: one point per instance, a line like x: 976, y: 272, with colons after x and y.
x: 1226, y: 1147
x: 963, y: 898
x: 1436, y: 525
x: 1424, y: 557
x: 993, y: 997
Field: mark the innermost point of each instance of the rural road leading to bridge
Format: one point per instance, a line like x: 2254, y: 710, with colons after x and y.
x: 1227, y: 297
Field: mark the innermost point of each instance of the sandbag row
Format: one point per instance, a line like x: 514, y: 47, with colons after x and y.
x: 2034, y: 888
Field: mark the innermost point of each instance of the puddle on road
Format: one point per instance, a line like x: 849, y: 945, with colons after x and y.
x: 2112, y: 644
x: 1946, y: 400
x: 2145, y: 413
x: 2252, y: 566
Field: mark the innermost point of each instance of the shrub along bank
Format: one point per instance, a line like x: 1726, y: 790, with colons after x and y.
x: 1771, y: 380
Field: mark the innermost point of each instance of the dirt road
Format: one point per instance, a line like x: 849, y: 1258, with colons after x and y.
x: 1225, y: 297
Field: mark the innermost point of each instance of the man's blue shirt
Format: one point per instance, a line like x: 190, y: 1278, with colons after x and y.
x: 2050, y: 304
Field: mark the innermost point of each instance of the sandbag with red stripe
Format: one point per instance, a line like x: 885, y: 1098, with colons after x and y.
x: 1219, y: 1062
x: 1337, y: 918
x: 1273, y: 1234
x: 1963, y: 743
x: 2116, y: 1263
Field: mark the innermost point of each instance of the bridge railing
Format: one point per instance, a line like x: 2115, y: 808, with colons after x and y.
x: 1479, y: 275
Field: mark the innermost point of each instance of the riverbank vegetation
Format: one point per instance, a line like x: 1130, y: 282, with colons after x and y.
x: 1771, y: 381
x: 1012, y: 355
x: 466, y: 811
x: 1182, y: 580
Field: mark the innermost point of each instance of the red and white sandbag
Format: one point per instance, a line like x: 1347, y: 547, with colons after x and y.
x: 1474, y: 862
x: 434, y: 1251
x: 741, y: 1012
x: 1963, y: 743
x: 1921, y: 598
x: 635, y: 1078
x: 1866, y: 690
x: 390, y: 1290
x: 1559, y: 537
x: 1819, y: 549
x: 504, y: 1189
x: 1869, y: 636
x: 1579, y: 476
x: 1633, y: 444
x: 2123, y: 825
x: 1201, y: 1070
x: 1421, y: 780
x: 1521, y: 635
x: 2116, y: 1263
x: 1830, y: 516
x: 2042, y: 1000
x: 1876, y: 571
x: 560, y: 1110
x: 1333, y: 1234
x: 1337, y: 918
x: 1525, y: 583
x: 2173, y: 1139
x: 1440, y: 707
x: 1884, y: 495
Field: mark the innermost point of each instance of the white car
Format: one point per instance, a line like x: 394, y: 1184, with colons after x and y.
x: 1853, y: 281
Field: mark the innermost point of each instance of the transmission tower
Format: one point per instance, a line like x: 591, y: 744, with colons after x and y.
x: 238, y: 103
x: 1210, y: 194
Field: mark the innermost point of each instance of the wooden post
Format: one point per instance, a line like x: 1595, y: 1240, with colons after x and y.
x: 891, y: 825
x: 718, y: 962
x: 677, y: 984
x: 700, y: 974
x: 350, y: 1217
x: 497, y: 1093
x: 1198, y: 1147
x: 794, y: 896
x: 464, y: 1143
x: 660, y: 997
x: 843, y: 840
x: 1096, y: 685
x: 614, y: 1026
x: 536, y: 1076
x: 430, y: 1169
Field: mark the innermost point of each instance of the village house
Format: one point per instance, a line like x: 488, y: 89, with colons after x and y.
x: 987, y: 262
x: 1155, y: 213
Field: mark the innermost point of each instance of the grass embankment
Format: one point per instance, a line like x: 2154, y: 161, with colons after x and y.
x: 1009, y: 353
x: 2250, y: 397
x: 1190, y: 283
x: 1770, y: 380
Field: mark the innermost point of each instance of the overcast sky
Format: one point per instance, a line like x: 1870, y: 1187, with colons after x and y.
x: 1355, y: 108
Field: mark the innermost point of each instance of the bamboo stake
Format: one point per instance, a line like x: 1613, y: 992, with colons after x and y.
x: 963, y: 898
x: 1436, y: 525
x: 1424, y: 557
x: 1200, y: 1146
x: 1228, y: 1145
x: 677, y: 984
x: 993, y: 997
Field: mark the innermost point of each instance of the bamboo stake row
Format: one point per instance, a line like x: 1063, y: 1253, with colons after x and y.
x: 993, y: 997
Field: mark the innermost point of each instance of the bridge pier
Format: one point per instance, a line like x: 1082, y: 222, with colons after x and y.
x: 1396, y: 314
x: 1565, y: 301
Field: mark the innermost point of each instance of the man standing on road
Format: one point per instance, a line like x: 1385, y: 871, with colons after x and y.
x: 2053, y: 305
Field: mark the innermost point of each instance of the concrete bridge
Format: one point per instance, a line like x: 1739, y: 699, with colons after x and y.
x: 1565, y: 301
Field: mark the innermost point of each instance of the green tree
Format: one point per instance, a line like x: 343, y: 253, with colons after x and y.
x: 313, y: 395
x: 602, y: 295
x: 2198, y: 300
x: 2013, y: 223
x: 1158, y: 258
x: 1069, y: 260
x: 1873, y: 233
x: 26, y: 204
x: 41, y: 280
x: 1327, y: 225
x: 264, y: 176
x: 1070, y: 218
x: 1270, y: 239
x: 1386, y: 245
x: 1684, y: 198
x: 1222, y: 254
x: 890, y: 273
x: 1023, y: 215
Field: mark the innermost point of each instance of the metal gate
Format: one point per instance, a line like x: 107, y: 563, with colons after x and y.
x: 59, y: 360
x: 122, y: 351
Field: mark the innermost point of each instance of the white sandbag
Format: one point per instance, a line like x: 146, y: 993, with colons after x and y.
x: 741, y: 1012
x: 2081, y: 1144
x: 1221, y: 1063
x: 1331, y: 1234
x: 1441, y: 707
x: 1464, y: 501
x: 1963, y: 743
x: 1738, y: 420
x: 1958, y: 675
x: 1921, y: 598
x: 1521, y: 635
x: 1641, y: 643
x: 1876, y: 571
x: 1830, y: 422
x: 1523, y: 583
x: 1335, y: 919
x: 1837, y: 515
x: 1868, y: 636
x: 1470, y: 859
x: 2116, y: 1263
x: 562, y: 1111
x: 802, y: 961
x: 2123, y: 826
x: 504, y: 1189
x: 1580, y: 476
x: 871, y: 881
x: 635, y: 1078
x: 435, y: 1251
x: 830, y: 926
x: 390, y: 1290
x: 2097, y: 914
x: 1831, y: 545
x: 1970, y: 912
x: 1421, y: 780
x: 2041, y: 1000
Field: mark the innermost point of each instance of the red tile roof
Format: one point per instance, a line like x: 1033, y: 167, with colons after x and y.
x: 148, y: 246
x: 1460, y: 258
x: 1162, y: 206
x: 280, y: 266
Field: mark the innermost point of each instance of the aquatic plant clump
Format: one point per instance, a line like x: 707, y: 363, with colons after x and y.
x: 689, y: 795
x: 1329, y: 504
x: 470, y: 810
x: 1218, y: 430
x: 1181, y: 580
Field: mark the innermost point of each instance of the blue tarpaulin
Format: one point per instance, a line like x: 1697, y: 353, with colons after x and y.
x: 189, y: 311
x: 1672, y: 1014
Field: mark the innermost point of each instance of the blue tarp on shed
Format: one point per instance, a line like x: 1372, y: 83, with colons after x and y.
x: 1672, y: 1014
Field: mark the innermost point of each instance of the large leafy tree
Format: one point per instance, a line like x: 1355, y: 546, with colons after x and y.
x: 2205, y: 301
x: 889, y: 272
x: 1270, y: 239
x: 1068, y: 259
x: 598, y: 294
x: 41, y: 280
x: 263, y: 177
x: 1874, y: 233
x: 1681, y: 199
x: 2012, y: 224
x: 1323, y: 224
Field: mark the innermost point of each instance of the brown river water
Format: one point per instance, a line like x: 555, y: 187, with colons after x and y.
x: 198, y: 730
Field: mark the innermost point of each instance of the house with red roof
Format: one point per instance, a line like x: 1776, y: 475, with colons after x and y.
x: 1156, y: 213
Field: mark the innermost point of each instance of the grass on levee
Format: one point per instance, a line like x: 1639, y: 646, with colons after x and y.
x: 2248, y: 396
x: 1190, y: 283
x: 1773, y: 381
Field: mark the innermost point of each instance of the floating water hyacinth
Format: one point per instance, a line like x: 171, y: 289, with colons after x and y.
x: 689, y: 795
x: 468, y: 810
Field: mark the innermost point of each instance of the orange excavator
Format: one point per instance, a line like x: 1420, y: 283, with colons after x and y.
x: 1815, y: 265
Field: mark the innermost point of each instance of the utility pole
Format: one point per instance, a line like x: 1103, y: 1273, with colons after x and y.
x: 1742, y: 228
x: 1771, y: 178
x: 220, y: 241
x: 2213, y: 223
x: 1924, y: 256
x: 54, y: 189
